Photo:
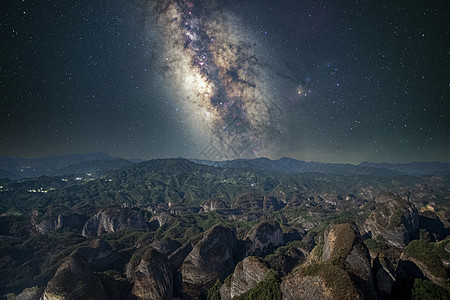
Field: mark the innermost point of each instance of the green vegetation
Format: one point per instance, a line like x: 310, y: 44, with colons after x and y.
x: 335, y: 278
x: 396, y: 219
x: 427, y: 290
x: 375, y: 245
x: 345, y: 238
x: 429, y: 255
x: 269, y: 288
x: 214, y: 291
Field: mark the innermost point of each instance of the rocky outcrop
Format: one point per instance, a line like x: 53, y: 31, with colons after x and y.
x: 112, y: 219
x: 74, y: 280
x: 422, y: 259
x: 384, y: 276
x: 247, y: 274
x: 177, y: 257
x: 342, y: 271
x: 212, y: 258
x: 395, y: 219
x: 153, y: 277
x: 262, y: 236
x: 344, y: 246
x: 55, y: 222
x: 256, y: 202
x: 99, y: 255
x: 33, y: 293
x: 296, y: 286
x: 285, y: 259
x: 166, y: 246
x: 213, y: 204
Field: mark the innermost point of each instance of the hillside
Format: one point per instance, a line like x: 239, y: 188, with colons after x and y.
x: 177, y: 228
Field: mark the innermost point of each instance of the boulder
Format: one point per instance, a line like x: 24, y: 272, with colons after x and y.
x: 285, y: 259
x: 166, y: 246
x: 212, y: 258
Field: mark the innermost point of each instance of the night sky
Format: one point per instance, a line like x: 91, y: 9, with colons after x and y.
x: 338, y: 81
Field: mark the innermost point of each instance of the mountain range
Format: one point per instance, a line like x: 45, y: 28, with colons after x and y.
x: 101, y: 227
x: 16, y: 168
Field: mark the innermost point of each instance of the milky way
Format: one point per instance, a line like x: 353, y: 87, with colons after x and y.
x: 212, y: 64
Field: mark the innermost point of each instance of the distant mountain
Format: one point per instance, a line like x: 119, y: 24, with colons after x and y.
x: 34, y: 167
x: 287, y: 165
x: 6, y: 174
x: 414, y: 168
x: 92, y: 166
x: 16, y: 168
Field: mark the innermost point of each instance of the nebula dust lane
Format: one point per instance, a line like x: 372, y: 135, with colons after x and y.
x: 214, y: 68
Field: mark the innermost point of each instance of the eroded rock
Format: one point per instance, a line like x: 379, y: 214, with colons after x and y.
x: 212, y: 258
x: 247, y: 274
x: 153, y: 277
x: 262, y: 236
x: 395, y: 219
x: 74, y: 280
x: 112, y: 219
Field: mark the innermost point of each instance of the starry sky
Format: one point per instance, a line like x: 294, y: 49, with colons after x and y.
x: 337, y: 81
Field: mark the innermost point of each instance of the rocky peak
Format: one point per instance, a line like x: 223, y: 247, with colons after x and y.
x: 153, y: 277
x: 247, y: 274
x: 263, y: 235
x: 211, y: 258
x: 339, y: 268
x: 99, y: 254
x: 213, y: 204
x: 112, y: 219
x: 395, y: 219
x: 344, y: 247
x: 74, y: 280
x: 256, y: 202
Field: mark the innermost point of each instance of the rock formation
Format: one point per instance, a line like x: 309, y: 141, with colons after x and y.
x: 384, y: 276
x: 99, y: 255
x: 55, y: 222
x: 343, y: 271
x: 395, y: 219
x: 252, y: 202
x: 247, y: 274
x: 263, y: 235
x: 212, y: 258
x: 112, y: 219
x: 74, y: 280
x: 213, y: 204
x: 153, y: 277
